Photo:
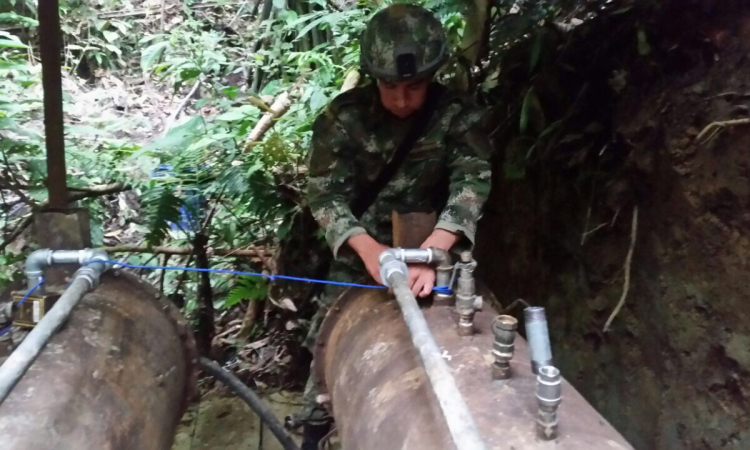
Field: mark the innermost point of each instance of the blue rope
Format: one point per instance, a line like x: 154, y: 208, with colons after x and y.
x: 438, y: 289
x: 23, y: 299
x: 41, y: 280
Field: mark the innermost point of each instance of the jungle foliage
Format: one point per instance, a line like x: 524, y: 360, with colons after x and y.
x: 224, y: 64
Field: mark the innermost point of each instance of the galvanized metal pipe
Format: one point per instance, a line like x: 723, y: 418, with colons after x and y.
x: 38, y: 260
x: 538, y: 335
x: 85, y: 279
x: 460, y: 422
x: 22, y: 357
x: 431, y: 255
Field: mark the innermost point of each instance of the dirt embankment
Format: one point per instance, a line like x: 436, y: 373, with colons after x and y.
x: 673, y: 372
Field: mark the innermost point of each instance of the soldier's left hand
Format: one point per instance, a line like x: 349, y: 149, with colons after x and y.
x: 421, y: 279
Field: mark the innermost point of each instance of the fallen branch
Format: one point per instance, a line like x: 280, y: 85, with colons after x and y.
x: 628, y: 261
x: 146, y: 11
x: 279, y: 107
x: 718, y: 126
x: 173, y: 117
x: 254, y: 252
x: 17, y: 231
x: 333, y: 6
x: 95, y: 191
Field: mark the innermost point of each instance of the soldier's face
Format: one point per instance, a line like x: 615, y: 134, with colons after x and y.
x: 403, y: 98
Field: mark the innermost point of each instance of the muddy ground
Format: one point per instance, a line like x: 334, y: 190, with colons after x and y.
x: 222, y: 421
x: 673, y: 371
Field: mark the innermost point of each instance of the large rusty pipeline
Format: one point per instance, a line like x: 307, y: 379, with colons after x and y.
x: 117, y: 376
x: 381, y: 397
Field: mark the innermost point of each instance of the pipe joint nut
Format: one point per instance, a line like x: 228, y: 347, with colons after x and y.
x: 504, y: 328
x: 549, y: 387
x: 549, y: 397
x: 389, y: 266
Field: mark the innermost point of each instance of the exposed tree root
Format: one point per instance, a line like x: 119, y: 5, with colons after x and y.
x: 628, y: 261
x: 714, y: 127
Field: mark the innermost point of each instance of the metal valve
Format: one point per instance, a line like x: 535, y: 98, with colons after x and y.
x: 466, y: 294
x: 504, y: 328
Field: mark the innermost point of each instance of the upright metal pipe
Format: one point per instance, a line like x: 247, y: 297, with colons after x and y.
x: 50, y: 39
x: 538, y: 335
x: 85, y: 279
x: 460, y: 422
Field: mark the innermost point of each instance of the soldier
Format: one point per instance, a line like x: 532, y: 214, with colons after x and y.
x: 403, y: 143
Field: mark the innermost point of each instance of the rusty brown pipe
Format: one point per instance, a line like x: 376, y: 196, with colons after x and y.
x: 457, y: 416
x: 381, y: 398
x: 117, y: 376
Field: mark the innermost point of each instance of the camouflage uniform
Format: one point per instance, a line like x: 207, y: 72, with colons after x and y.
x: 354, y: 138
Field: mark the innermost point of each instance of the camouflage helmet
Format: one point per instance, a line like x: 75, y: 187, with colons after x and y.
x: 403, y: 42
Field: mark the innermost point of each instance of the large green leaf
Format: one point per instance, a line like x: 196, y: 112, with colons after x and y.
x: 8, y: 43
x: 180, y: 136
x: 12, y: 17
x: 111, y: 36
x: 532, y: 113
x: 151, y: 54
x: 536, y: 50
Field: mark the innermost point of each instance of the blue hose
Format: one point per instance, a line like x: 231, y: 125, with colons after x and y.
x: 23, y: 299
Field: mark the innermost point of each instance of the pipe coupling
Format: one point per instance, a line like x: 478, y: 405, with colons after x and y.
x: 91, y: 274
x: 390, y: 264
x: 431, y: 255
x: 538, y: 335
x: 466, y: 294
x: 38, y: 260
x: 549, y: 397
x: 504, y: 328
x: 35, y: 264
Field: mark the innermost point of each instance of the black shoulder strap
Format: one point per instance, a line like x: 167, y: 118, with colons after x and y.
x: 363, y: 202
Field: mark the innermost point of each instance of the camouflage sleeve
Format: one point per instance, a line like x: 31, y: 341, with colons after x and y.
x: 331, y: 182
x: 469, y: 150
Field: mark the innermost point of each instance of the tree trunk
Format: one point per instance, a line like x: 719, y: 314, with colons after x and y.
x: 205, y: 333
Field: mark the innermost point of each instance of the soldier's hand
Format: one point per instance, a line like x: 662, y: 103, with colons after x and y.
x: 369, y: 251
x: 421, y: 279
x: 441, y: 239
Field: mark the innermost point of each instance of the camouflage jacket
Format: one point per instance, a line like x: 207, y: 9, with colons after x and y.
x: 355, y: 137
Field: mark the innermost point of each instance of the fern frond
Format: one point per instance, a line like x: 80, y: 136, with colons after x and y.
x: 162, y: 207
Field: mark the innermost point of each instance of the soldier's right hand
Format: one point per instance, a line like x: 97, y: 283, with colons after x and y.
x: 369, y: 251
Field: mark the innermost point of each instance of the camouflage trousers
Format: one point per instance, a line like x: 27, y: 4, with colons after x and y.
x: 348, y: 270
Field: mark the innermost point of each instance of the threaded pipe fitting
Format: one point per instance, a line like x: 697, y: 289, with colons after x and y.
x: 504, y: 328
x: 549, y: 397
x: 538, y: 335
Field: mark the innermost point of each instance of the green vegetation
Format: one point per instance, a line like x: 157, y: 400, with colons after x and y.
x: 161, y: 98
